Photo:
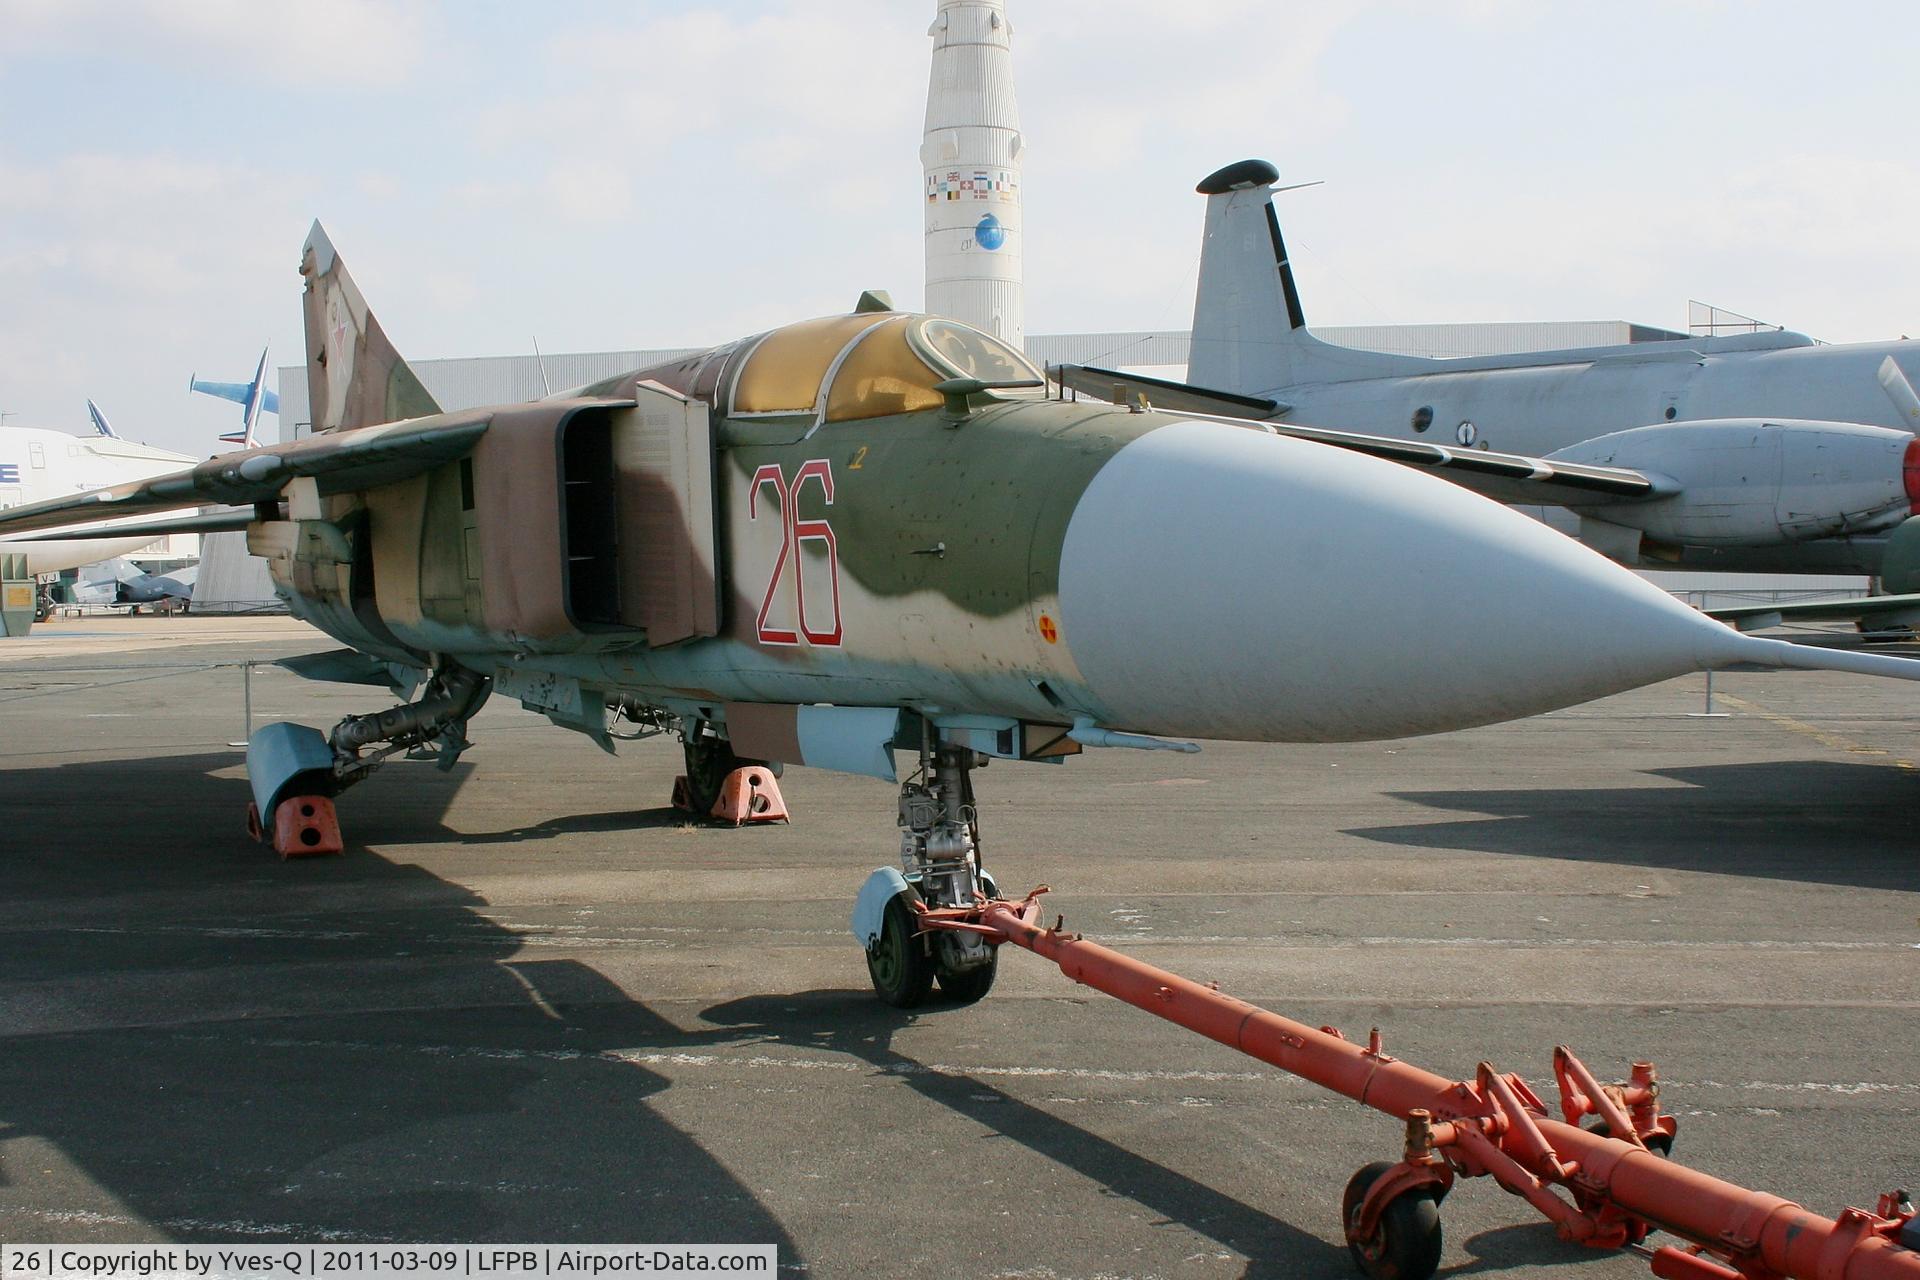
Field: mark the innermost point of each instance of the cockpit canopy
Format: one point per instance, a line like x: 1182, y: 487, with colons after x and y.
x: 868, y: 365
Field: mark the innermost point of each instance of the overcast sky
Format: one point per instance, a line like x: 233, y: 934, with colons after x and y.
x: 607, y: 176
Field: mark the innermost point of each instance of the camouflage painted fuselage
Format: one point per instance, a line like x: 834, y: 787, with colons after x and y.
x: 884, y: 511
x: 906, y: 560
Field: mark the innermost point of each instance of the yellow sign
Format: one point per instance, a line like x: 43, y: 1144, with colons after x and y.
x: 19, y: 595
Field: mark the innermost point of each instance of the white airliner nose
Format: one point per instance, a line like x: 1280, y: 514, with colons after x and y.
x: 1222, y: 582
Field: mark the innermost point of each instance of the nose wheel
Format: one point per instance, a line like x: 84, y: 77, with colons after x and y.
x: 904, y: 964
x: 897, y: 962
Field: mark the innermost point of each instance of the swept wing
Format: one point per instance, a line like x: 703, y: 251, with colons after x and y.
x: 1873, y: 612
x: 338, y: 461
x: 1504, y: 477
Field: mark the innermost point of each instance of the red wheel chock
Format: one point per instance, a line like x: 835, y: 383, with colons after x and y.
x: 303, y: 827
x: 1605, y: 1186
x: 750, y: 794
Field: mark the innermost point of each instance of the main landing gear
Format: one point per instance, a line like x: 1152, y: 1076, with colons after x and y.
x: 296, y: 771
x: 941, y: 873
x: 721, y: 785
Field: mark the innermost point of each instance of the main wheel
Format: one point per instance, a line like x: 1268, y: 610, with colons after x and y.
x: 1406, y: 1243
x: 898, y: 962
x: 709, y: 761
x: 970, y: 985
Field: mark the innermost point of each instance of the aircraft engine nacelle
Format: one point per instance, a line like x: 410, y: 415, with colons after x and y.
x: 1754, y: 482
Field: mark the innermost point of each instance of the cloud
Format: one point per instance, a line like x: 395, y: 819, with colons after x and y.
x: 319, y: 42
x: 125, y: 273
x: 785, y: 89
x: 586, y: 191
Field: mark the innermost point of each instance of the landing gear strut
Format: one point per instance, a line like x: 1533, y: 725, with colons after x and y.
x: 940, y: 859
x: 710, y: 759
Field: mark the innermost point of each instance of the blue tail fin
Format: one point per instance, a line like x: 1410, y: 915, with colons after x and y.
x: 100, y: 423
x: 253, y: 398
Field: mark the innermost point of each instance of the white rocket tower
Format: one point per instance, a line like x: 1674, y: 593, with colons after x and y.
x: 972, y: 155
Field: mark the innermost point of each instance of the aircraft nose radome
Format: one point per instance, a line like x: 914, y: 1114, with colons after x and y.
x: 1221, y: 582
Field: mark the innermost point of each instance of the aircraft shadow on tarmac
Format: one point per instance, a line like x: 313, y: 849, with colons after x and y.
x: 360, y: 1053
x: 1526, y: 1244
x: 1809, y: 820
x: 854, y: 1024
x: 228, y: 1108
x: 230, y: 1056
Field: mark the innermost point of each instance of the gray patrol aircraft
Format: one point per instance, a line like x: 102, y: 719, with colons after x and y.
x: 1763, y: 452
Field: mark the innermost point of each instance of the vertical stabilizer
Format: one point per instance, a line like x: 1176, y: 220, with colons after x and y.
x: 1249, y: 329
x: 247, y: 437
x: 354, y: 376
x: 100, y: 424
x: 254, y: 398
x: 1247, y: 309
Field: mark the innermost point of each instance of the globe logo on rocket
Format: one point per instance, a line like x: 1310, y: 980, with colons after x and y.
x: 989, y: 234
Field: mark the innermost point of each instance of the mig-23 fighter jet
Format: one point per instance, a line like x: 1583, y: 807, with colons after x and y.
x: 876, y: 531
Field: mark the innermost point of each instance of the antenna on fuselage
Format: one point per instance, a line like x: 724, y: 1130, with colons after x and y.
x: 546, y: 388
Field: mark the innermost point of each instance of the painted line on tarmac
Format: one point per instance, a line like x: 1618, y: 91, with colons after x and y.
x: 238, y: 1226
x: 1825, y: 737
x: 679, y: 1058
x: 540, y: 1002
x: 1854, y: 1089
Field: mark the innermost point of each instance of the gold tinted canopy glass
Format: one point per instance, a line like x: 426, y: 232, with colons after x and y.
x: 784, y: 372
x: 869, y: 365
x: 882, y: 375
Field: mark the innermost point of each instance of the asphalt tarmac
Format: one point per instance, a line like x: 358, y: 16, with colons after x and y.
x: 531, y: 1003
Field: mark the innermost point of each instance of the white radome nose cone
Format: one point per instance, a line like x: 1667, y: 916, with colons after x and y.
x: 1222, y: 582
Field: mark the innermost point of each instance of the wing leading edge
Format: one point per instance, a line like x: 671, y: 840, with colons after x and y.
x: 1504, y: 477
x: 363, y: 458
x: 1870, y: 611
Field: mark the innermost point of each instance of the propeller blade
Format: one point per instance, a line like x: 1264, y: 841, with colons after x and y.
x: 1900, y: 391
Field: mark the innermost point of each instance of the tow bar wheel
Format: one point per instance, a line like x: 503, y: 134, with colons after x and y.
x: 1406, y: 1243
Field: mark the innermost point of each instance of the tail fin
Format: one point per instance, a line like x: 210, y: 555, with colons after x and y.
x: 1249, y: 330
x: 100, y: 424
x: 354, y: 376
x: 254, y: 398
x: 251, y: 407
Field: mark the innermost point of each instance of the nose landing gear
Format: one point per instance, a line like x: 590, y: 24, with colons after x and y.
x: 940, y: 876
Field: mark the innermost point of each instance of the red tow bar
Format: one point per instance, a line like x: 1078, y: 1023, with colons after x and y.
x: 1618, y: 1185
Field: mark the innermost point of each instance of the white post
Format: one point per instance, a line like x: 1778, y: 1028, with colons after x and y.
x: 1709, y: 713
x: 246, y: 699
